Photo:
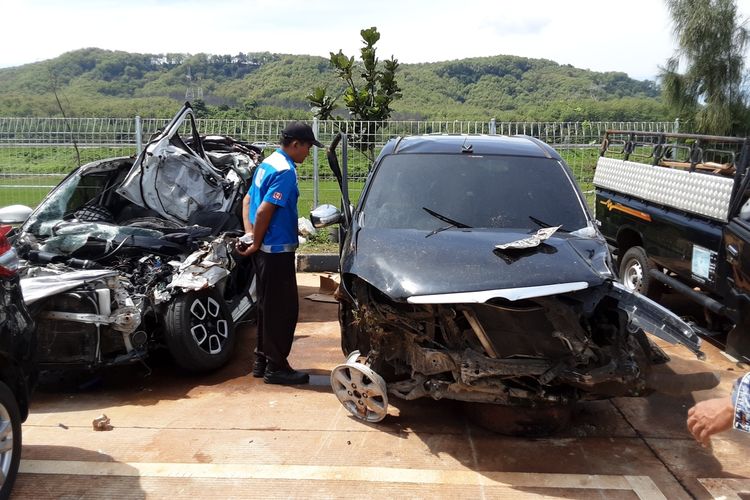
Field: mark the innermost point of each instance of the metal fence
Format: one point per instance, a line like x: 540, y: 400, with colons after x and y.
x: 36, y: 153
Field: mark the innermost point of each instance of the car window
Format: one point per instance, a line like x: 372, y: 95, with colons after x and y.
x: 73, y: 192
x: 476, y: 191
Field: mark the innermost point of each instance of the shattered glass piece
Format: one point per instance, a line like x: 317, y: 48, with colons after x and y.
x: 72, y: 236
x: 585, y: 232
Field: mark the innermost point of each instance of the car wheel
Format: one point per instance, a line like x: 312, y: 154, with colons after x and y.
x: 200, y: 331
x: 635, y: 268
x: 10, y: 439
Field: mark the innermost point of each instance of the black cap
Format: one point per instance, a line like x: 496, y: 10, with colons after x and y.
x: 302, y: 132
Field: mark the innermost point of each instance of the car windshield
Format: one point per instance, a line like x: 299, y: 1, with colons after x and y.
x: 476, y: 191
x: 71, y: 194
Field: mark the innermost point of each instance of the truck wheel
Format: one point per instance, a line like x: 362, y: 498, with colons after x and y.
x: 200, y: 331
x: 635, y: 267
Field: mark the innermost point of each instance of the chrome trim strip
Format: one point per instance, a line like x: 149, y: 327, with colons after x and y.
x: 482, y: 296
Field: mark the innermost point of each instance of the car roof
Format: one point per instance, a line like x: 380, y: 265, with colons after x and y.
x: 518, y: 145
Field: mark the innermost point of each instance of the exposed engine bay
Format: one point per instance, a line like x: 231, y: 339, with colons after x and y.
x: 556, y: 349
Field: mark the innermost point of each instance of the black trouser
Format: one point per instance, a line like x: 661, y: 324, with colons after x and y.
x: 278, y: 305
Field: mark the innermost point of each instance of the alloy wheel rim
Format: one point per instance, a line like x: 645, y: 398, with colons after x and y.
x: 209, y: 328
x: 361, y: 391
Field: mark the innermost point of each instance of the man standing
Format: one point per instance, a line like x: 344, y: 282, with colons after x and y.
x: 270, y: 214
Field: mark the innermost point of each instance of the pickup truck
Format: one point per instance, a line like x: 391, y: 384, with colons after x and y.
x: 676, y: 210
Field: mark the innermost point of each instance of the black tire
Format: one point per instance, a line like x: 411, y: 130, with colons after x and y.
x: 635, y: 269
x: 200, y: 331
x: 10, y: 430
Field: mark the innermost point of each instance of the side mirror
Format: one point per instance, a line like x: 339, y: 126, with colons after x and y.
x: 324, y: 216
x: 15, y: 214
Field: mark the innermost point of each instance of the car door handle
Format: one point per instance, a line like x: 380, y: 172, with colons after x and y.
x: 732, y: 254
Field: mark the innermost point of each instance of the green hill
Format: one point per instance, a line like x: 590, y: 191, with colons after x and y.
x: 95, y: 82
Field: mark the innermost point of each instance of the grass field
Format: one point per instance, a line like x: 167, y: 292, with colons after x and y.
x: 31, y: 190
x: 28, y: 173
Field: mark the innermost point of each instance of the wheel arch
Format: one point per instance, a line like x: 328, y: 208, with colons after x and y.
x: 627, y: 238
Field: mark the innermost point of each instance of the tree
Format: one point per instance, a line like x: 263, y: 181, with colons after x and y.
x: 369, y: 101
x: 712, y: 40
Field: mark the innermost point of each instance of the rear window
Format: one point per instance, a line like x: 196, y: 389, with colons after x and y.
x: 477, y: 191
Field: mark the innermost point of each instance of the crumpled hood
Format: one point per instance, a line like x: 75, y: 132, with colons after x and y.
x: 403, y: 262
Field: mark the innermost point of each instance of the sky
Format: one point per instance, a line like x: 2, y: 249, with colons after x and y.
x: 631, y: 36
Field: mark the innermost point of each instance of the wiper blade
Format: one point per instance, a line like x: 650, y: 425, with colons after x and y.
x: 453, y: 223
x: 541, y: 223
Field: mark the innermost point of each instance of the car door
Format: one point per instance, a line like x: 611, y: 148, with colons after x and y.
x: 177, y: 180
x: 736, y: 246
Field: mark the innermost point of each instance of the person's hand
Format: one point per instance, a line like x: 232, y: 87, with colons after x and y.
x: 710, y: 417
x: 246, y: 251
x: 243, y: 248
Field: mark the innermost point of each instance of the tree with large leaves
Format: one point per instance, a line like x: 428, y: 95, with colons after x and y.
x: 369, y: 99
x: 708, y: 96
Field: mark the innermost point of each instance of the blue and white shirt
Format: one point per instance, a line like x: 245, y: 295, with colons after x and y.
x: 275, y: 181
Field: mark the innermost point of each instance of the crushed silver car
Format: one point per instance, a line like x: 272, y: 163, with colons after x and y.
x: 132, y: 253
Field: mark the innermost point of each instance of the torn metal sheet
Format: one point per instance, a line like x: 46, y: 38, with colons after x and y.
x: 203, y: 268
x: 322, y: 297
x: 532, y: 241
x: 198, y: 277
x: 178, y: 181
x: 47, y: 286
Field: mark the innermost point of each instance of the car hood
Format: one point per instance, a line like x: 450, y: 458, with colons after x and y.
x: 405, y: 263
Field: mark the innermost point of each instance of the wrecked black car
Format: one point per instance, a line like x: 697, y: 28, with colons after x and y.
x: 472, y: 270
x: 128, y: 254
x: 18, y: 371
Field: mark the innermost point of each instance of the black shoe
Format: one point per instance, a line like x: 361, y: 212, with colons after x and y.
x: 259, y: 367
x: 286, y: 376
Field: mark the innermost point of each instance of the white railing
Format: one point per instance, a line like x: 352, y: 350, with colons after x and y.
x: 35, y: 153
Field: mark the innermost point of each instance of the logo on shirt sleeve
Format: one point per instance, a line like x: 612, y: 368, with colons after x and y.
x: 277, y: 195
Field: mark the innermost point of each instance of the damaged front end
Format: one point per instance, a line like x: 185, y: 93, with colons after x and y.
x: 557, y: 349
x: 134, y: 253
x: 100, y: 317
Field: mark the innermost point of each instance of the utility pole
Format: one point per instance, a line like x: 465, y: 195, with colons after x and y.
x: 194, y: 90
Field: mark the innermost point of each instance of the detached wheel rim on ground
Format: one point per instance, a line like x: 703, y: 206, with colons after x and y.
x: 360, y: 390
